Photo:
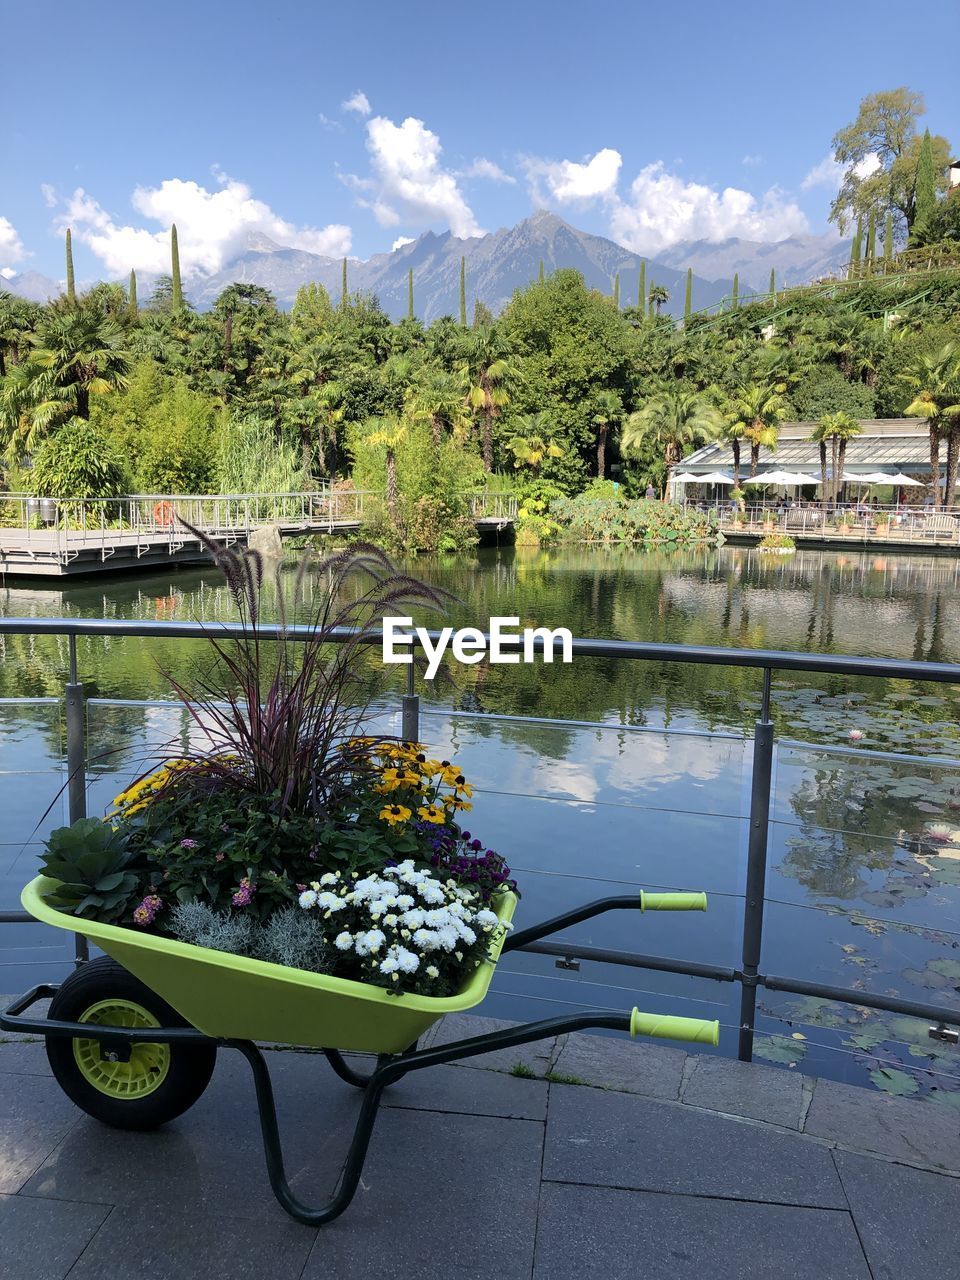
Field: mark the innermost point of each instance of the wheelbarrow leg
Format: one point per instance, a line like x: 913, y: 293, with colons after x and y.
x: 350, y: 1175
x: 346, y: 1072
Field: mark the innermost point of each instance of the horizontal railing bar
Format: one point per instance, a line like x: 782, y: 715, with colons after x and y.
x: 16, y: 917
x: 844, y: 995
x: 634, y: 960
x: 630, y: 650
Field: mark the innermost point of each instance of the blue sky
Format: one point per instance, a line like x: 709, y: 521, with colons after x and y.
x: 648, y: 123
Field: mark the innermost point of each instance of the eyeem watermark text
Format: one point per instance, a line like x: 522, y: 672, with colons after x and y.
x: 504, y: 643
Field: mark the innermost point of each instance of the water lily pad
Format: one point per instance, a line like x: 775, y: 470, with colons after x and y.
x: 866, y: 1039
x: 898, y: 1083
x: 778, y: 1049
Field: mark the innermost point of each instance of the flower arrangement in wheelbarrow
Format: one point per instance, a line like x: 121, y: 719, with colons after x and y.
x: 296, y: 880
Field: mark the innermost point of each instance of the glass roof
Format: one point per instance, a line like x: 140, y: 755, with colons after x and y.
x: 909, y: 453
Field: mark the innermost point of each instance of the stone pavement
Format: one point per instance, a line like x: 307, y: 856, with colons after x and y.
x: 619, y: 1160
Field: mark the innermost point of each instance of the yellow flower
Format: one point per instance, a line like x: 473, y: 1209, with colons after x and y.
x: 431, y: 813
x: 454, y: 802
x: 393, y: 778
x: 394, y: 813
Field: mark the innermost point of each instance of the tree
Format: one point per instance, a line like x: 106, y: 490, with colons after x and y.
x: 438, y: 399
x: 607, y: 410
x: 390, y: 431
x: 343, y: 285
x: 925, y: 194
x: 463, y: 293
x: 71, y: 288
x: 758, y: 409
x: 248, y: 305
x: 540, y: 273
x: 888, y: 239
x: 880, y: 155
x: 482, y: 315
x: 688, y: 296
x: 675, y: 420
x: 773, y: 282
x: 856, y: 245
x: 616, y: 292
x: 936, y: 378
x: 943, y: 224
x: 733, y: 431
x: 871, y: 240
x: 176, y: 299
x: 658, y: 296
x: 834, y: 429
x: 132, y: 297
x: 735, y: 302
x: 531, y: 446
x: 488, y: 374
x: 410, y: 294
x: 642, y: 285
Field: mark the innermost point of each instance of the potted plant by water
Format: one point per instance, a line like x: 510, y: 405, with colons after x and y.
x: 296, y: 878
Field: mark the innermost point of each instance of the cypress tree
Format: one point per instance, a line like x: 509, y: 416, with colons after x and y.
x: 642, y: 286
x: 132, y: 301
x: 736, y: 290
x: 871, y: 241
x: 410, y: 294
x: 463, y: 292
x: 925, y: 197
x: 773, y: 282
x: 343, y: 286
x: 616, y: 291
x: 855, y: 248
x: 540, y: 276
x: 688, y: 296
x: 71, y: 288
x: 176, y: 296
x: 888, y: 238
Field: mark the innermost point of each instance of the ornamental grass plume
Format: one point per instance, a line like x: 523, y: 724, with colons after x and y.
x: 273, y: 711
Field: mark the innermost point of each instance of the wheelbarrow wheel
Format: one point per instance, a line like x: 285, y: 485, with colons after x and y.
x: 156, y: 1083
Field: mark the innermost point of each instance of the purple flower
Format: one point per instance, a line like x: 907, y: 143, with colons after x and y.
x: 189, y: 844
x: 244, y: 894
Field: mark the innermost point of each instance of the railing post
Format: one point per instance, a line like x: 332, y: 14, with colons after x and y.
x: 75, y: 708
x: 756, y: 870
x: 410, y: 714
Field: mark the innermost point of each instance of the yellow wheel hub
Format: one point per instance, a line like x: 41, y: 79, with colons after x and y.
x: 148, y: 1064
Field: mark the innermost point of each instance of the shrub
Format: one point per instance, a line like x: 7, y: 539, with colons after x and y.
x: 586, y: 519
x: 79, y: 461
x: 778, y: 542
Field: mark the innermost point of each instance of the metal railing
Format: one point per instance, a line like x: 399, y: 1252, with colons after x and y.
x: 842, y: 522
x: 764, y: 661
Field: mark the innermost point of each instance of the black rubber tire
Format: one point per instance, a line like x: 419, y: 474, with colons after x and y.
x: 190, y: 1066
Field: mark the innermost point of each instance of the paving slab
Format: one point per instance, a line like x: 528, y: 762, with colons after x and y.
x: 42, y: 1239
x: 487, y: 1093
x: 34, y: 1117
x: 902, y: 1128
x: 137, y: 1242
x: 535, y: 1057
x: 907, y: 1218
x: 593, y: 1232
x: 745, y: 1089
x: 441, y: 1196
x: 21, y: 1058
x: 619, y: 1140
x: 651, y: 1070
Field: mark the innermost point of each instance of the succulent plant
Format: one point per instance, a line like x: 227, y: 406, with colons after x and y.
x: 98, y: 873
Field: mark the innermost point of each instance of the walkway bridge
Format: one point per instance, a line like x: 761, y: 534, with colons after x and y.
x: 47, y: 538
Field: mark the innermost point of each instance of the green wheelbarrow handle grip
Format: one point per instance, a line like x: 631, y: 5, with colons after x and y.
x: 672, y: 901
x: 665, y: 1027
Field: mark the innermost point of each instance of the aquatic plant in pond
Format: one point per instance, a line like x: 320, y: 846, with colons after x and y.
x: 619, y: 519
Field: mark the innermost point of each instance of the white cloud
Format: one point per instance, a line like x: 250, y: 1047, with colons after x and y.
x: 408, y: 176
x: 7, y: 273
x: 359, y: 103
x: 49, y: 195
x: 484, y: 168
x: 11, y: 246
x: 401, y: 241
x: 752, y: 161
x: 212, y: 226
x: 570, y: 182
x: 334, y: 126
x: 828, y: 173
x: 664, y: 209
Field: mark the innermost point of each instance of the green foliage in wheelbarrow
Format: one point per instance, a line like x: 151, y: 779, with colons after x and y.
x: 99, y: 873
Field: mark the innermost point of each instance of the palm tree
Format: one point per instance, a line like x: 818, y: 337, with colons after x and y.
x: 758, y: 409
x: 936, y: 378
x: 438, y: 399
x: 234, y: 301
x: 75, y: 353
x: 488, y: 375
x: 607, y: 410
x: 674, y: 420
x: 532, y: 446
x: 391, y: 431
x: 658, y: 296
x: 733, y: 431
x: 837, y: 429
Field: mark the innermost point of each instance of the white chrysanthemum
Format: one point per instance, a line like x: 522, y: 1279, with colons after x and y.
x: 308, y: 899
x: 432, y: 894
x: 329, y: 877
x: 343, y: 941
x: 390, y: 920
x: 407, y: 961
x: 413, y: 919
x: 426, y: 940
x: 328, y: 901
x: 405, y: 902
x: 447, y: 937
x: 389, y: 965
x: 432, y: 971
x: 467, y: 934
x: 486, y: 919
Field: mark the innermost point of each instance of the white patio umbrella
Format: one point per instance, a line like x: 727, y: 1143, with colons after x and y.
x: 904, y: 482
x: 783, y: 478
x: 716, y: 477
x: 687, y: 477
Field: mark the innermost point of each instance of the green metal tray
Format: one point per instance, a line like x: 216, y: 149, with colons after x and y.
x: 234, y: 997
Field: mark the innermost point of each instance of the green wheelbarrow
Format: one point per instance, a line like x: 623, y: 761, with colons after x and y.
x: 132, y: 1036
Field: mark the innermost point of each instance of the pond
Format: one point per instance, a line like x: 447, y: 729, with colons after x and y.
x: 645, y: 784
